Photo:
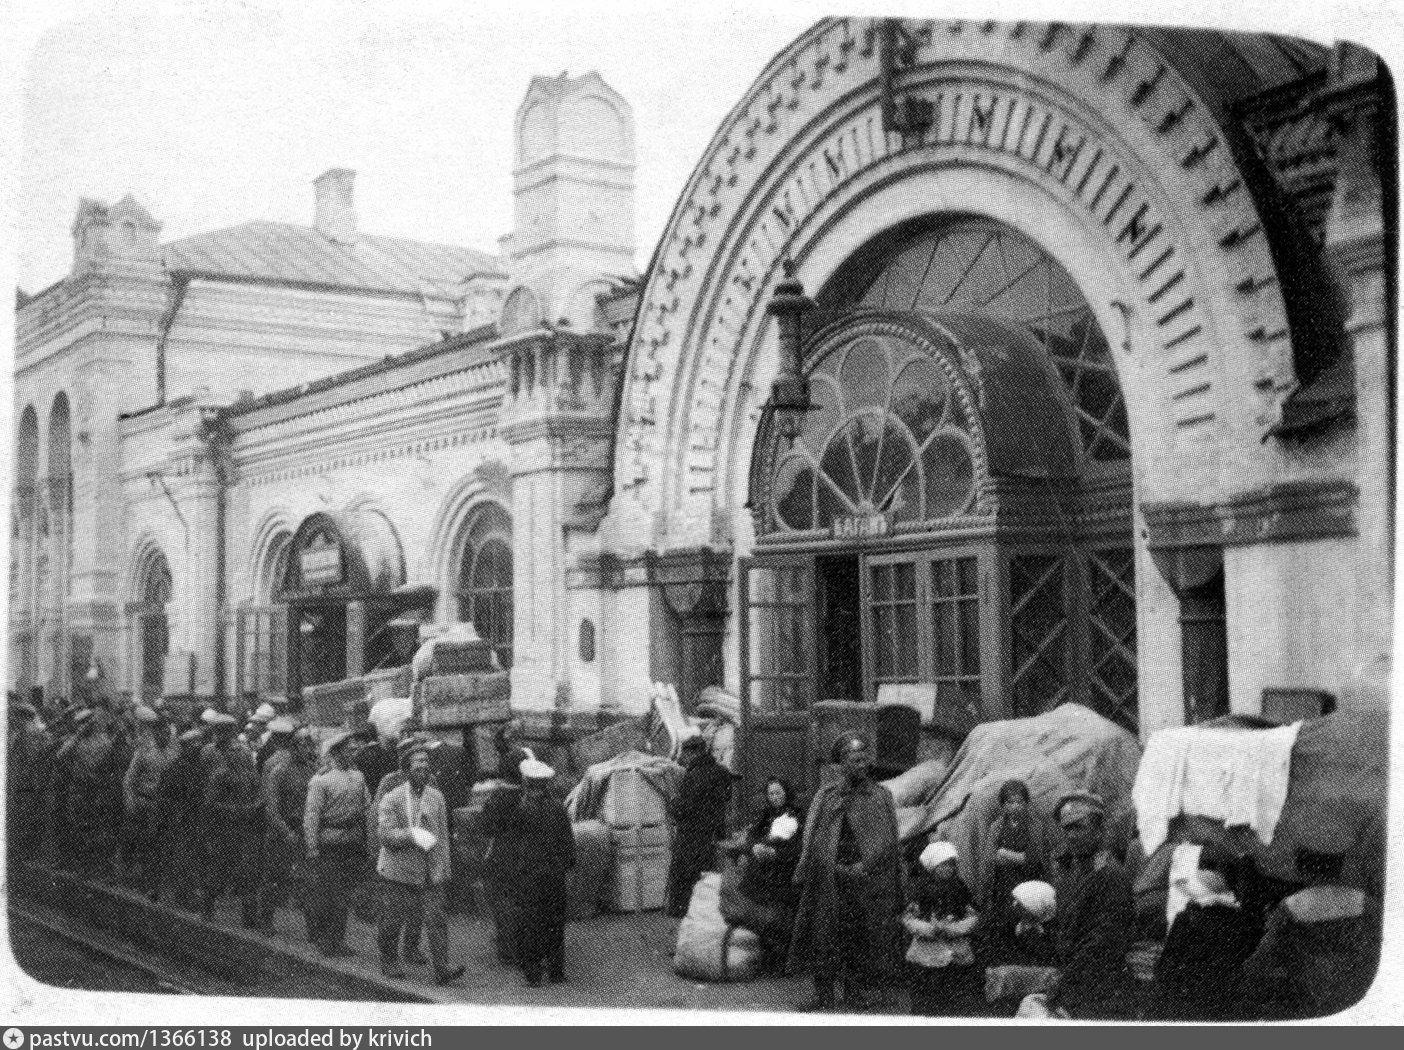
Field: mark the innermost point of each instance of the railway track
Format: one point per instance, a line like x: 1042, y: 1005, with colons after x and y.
x: 56, y: 949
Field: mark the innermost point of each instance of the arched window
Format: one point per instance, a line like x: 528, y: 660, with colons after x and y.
x: 971, y: 265
x: 887, y: 434
x: 928, y: 536
x: 153, y: 627
x: 484, y: 586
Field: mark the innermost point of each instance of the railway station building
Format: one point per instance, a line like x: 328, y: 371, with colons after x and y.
x: 980, y: 367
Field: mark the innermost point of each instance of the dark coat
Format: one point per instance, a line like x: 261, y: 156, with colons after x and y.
x: 872, y: 815
x: 1096, y: 920
x: 699, y: 813
x: 1198, y: 974
x: 543, y: 851
x: 771, y: 882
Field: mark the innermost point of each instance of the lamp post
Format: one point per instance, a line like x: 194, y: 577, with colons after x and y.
x: 789, y: 393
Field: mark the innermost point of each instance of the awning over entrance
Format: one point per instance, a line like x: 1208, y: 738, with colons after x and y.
x: 351, y: 554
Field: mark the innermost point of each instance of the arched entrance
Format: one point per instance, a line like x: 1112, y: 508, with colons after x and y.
x: 951, y: 527
x: 343, y: 582
x: 483, y: 588
x: 151, y: 625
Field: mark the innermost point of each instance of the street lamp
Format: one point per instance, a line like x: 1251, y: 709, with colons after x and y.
x: 789, y: 393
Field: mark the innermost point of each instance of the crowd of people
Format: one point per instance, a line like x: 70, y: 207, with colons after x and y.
x: 192, y: 812
x: 1047, y: 931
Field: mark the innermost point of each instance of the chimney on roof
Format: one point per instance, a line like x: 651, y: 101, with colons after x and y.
x: 336, y: 205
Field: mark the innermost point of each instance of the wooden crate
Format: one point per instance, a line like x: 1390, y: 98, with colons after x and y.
x: 630, y: 800
x: 629, y: 735
x: 448, y: 701
x: 330, y: 704
x: 639, y: 880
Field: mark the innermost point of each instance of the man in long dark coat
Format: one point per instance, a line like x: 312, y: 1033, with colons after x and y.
x: 545, y: 848
x: 699, y: 815
x: 850, y: 881
x: 1096, y: 916
x: 179, y: 799
x: 233, y: 828
x: 27, y: 775
x: 286, y: 775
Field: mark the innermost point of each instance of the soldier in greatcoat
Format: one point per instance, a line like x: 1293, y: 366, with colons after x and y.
x: 233, y: 826
x: 545, y: 852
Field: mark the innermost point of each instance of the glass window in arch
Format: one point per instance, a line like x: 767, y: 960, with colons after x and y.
x: 485, y: 579
x: 887, y: 436
x: 972, y: 265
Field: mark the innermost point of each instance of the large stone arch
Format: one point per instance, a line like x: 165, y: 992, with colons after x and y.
x: 1093, y: 141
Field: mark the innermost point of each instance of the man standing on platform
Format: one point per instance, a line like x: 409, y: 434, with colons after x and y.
x: 334, y: 826
x: 699, y: 815
x: 414, y: 866
x: 546, y: 852
x: 850, y: 882
x: 233, y: 816
x: 155, y: 751
x: 286, y: 775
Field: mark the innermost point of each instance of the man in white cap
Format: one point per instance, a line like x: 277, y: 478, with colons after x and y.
x: 334, y: 827
x: 155, y: 751
x: 545, y: 852
x: 1096, y: 915
x: 414, y: 866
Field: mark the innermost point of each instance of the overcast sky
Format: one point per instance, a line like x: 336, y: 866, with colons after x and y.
x: 217, y: 112
x: 221, y: 111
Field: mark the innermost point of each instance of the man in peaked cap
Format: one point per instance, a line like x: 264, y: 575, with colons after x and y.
x: 414, y: 865
x: 154, y: 752
x: 545, y: 852
x: 334, y: 829
x: 1096, y: 915
x: 406, y: 747
x: 233, y: 824
x: 179, y: 799
x: 286, y: 776
x: 699, y: 815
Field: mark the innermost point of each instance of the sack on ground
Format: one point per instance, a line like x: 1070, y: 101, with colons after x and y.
x: 1017, y: 982
x: 708, y: 949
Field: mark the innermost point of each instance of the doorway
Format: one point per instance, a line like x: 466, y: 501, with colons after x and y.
x: 841, y: 627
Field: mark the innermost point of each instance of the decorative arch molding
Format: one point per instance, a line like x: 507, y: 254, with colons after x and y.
x: 521, y: 312
x: 271, y: 540
x: 1097, y: 123
x: 489, y: 483
x: 143, y: 556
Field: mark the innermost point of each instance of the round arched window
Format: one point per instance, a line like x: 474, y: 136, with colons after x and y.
x: 485, y: 578
x: 972, y: 265
x: 887, y: 436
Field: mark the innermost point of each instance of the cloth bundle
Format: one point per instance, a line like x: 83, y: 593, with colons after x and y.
x: 1238, y: 776
x: 709, y: 949
x: 586, y: 798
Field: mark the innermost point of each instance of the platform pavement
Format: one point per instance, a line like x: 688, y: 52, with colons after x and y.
x: 613, y: 961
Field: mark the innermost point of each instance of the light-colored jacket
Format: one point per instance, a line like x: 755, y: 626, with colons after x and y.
x: 400, y: 859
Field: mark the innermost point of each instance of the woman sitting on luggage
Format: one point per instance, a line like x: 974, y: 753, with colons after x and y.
x: 945, y: 981
x: 762, y: 899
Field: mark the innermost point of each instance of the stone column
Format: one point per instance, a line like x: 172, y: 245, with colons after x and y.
x: 557, y: 416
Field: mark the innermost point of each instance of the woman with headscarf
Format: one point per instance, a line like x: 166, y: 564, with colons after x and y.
x: 1012, y: 852
x: 940, y: 918
x: 1198, y: 973
x: 759, y: 893
x: 850, y: 883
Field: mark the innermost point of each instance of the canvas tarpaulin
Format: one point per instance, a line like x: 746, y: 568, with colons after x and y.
x: 1067, y: 749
